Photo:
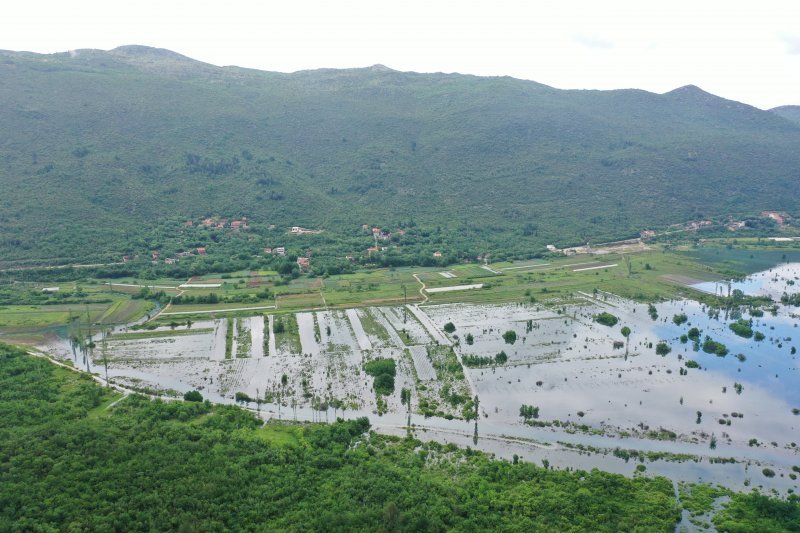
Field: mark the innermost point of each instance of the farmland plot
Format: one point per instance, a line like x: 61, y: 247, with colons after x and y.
x: 411, y: 330
x: 422, y: 363
x: 256, y: 326
x: 561, y: 360
x: 308, y: 341
x: 361, y: 335
x: 381, y: 333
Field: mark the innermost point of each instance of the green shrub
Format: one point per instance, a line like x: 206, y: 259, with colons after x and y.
x: 607, y: 319
x: 193, y: 396
x: 742, y: 328
x: 384, y: 371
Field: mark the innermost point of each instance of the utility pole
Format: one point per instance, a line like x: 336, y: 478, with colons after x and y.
x: 405, y: 303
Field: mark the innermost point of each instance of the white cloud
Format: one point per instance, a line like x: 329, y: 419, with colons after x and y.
x: 792, y: 44
x: 593, y: 42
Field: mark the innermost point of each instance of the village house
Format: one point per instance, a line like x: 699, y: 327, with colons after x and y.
x: 647, y: 234
x: 267, y: 250
x: 126, y: 258
x: 437, y: 253
x: 280, y: 250
x: 303, y: 263
x: 738, y: 224
x: 170, y: 260
x: 372, y: 249
x: 201, y: 251
x: 156, y: 255
x: 550, y: 248
x: 296, y: 229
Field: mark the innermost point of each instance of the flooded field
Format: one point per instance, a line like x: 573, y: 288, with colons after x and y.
x: 683, y: 391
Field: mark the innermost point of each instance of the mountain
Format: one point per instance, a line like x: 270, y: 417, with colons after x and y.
x: 106, y: 152
x: 791, y: 112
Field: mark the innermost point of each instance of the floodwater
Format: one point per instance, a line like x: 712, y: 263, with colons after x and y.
x: 593, y: 387
x: 773, y: 283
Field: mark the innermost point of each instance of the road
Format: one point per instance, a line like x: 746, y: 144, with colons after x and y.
x: 422, y: 290
x: 205, y: 312
x: 55, y: 267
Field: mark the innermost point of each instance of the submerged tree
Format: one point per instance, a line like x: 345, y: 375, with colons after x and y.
x: 405, y: 399
x: 626, y: 332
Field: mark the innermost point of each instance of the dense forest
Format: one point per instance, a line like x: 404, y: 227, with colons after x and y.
x: 72, y: 459
x: 106, y: 154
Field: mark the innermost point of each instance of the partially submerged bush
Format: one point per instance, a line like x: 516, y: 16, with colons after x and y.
x: 607, y: 319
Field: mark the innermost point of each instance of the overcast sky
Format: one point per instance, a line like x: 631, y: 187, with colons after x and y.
x: 742, y: 50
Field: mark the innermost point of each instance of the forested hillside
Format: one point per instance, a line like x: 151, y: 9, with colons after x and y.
x: 791, y: 112
x: 106, y: 153
x: 72, y: 459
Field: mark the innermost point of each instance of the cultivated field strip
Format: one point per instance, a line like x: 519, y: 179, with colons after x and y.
x: 417, y: 334
x: 256, y: 324
x: 305, y: 325
x: 428, y: 324
x: 422, y: 363
x: 381, y: 319
x: 363, y: 340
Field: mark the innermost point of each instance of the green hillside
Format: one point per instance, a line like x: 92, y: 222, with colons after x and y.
x: 107, y: 153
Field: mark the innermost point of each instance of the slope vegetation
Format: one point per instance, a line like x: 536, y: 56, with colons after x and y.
x: 103, y: 152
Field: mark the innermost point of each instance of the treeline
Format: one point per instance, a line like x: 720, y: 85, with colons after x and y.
x: 474, y: 361
x: 16, y: 296
x: 213, y: 298
x: 69, y: 463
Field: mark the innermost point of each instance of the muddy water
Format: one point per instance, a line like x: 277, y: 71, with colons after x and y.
x: 436, y: 334
x: 773, y: 283
x: 600, y: 394
x: 256, y: 326
x: 308, y: 342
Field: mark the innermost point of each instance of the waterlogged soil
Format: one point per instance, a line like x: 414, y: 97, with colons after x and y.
x: 595, y: 390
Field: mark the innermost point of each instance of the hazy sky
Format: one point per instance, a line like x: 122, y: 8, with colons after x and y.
x: 742, y: 50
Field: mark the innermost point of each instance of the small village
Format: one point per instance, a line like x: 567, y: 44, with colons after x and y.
x: 382, y: 240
